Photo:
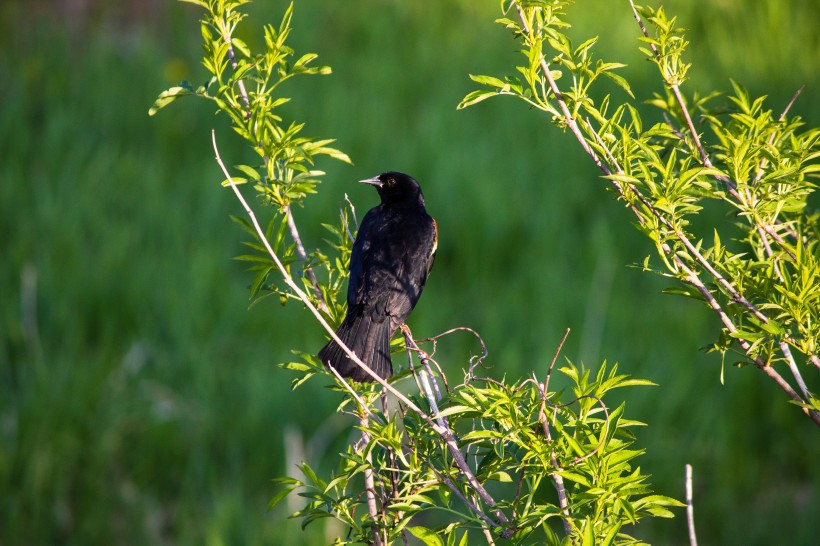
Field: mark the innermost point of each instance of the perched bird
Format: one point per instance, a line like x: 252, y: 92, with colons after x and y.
x: 392, y: 255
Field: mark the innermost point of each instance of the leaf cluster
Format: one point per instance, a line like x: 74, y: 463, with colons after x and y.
x: 758, y: 270
x: 518, y: 438
x: 246, y: 86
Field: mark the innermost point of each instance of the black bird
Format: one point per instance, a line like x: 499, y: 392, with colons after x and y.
x: 392, y: 255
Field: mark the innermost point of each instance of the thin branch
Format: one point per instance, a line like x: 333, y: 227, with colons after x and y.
x: 557, y: 479
x: 425, y: 359
x: 778, y: 239
x: 554, y: 359
x: 300, y: 249
x: 352, y: 392
x: 471, y: 505
x: 487, y: 534
x: 475, y: 360
x: 353, y: 212
x: 690, y: 508
x: 815, y: 360
x: 768, y: 249
x: 784, y: 348
x: 369, y: 484
x: 242, y: 91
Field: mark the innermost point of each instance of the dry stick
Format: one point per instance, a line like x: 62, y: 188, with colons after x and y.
x: 573, y: 126
x: 445, y: 433
x: 690, y: 508
x: 474, y: 360
x: 557, y: 479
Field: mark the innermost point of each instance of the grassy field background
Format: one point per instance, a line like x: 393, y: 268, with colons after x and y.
x: 139, y: 398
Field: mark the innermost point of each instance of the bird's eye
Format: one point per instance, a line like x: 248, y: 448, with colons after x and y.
x: 390, y: 182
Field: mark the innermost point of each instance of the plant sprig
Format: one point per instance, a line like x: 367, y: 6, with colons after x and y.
x: 763, y: 284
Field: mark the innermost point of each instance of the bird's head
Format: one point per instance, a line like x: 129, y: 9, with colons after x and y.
x: 397, y: 189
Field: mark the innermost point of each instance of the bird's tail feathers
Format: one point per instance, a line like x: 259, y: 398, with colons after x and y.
x: 369, y: 339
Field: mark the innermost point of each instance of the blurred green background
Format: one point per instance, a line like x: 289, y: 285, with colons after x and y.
x: 139, y: 398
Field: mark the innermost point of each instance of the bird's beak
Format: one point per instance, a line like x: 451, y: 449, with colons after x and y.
x: 373, y: 181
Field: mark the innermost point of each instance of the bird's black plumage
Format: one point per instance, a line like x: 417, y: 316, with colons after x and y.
x: 391, y: 258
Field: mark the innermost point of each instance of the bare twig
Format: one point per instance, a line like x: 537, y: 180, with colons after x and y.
x: 475, y: 360
x: 300, y: 249
x: 768, y: 249
x: 557, y: 479
x: 487, y: 534
x: 425, y: 359
x: 554, y: 359
x: 690, y: 508
x: 787, y: 352
x: 353, y: 212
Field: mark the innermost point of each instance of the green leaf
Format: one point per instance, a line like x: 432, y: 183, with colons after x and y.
x: 620, y: 81
x: 252, y: 173
x: 278, y: 497
x: 488, y: 80
x: 237, y: 180
x: 453, y: 410
x: 167, y: 97
x: 428, y: 536
x: 474, y: 98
